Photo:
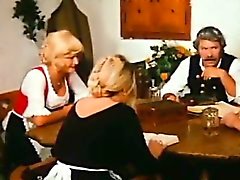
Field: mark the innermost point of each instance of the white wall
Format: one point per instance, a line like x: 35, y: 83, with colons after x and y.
x: 17, y: 53
x: 105, y: 27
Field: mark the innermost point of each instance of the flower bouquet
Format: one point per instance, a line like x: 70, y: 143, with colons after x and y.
x: 164, y: 61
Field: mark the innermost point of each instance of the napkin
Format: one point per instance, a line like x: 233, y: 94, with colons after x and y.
x: 166, y: 139
x: 223, y: 108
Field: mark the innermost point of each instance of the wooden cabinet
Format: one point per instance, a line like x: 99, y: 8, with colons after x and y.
x: 156, y: 19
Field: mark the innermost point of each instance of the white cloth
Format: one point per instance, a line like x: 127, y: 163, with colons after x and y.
x: 223, y: 108
x: 62, y: 171
x: 165, y: 139
x: 178, y: 80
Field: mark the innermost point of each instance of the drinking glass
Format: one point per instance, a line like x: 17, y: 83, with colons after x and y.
x: 210, y: 121
x: 154, y: 91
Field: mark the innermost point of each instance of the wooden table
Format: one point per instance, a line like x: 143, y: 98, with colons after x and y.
x: 46, y: 135
x: 194, y: 146
x: 193, y: 141
x: 148, y: 110
x: 198, y: 156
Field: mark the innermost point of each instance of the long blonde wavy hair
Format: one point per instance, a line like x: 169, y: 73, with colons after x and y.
x: 113, y: 77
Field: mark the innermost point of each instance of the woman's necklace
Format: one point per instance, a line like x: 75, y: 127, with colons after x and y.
x: 57, y: 81
x: 59, y: 87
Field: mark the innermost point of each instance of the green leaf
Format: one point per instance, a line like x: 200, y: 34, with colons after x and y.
x: 28, y: 12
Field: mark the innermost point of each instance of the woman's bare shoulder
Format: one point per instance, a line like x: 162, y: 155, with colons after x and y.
x: 88, y: 106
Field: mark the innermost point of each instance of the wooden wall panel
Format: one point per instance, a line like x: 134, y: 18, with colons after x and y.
x: 156, y: 19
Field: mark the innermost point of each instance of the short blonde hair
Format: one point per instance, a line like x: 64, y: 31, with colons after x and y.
x: 59, y: 43
x: 112, y: 76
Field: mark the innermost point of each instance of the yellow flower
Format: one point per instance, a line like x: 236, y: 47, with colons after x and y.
x: 165, y: 60
x: 164, y: 76
x: 183, y: 51
x: 179, y: 55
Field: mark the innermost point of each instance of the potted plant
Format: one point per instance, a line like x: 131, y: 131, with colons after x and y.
x: 164, y: 61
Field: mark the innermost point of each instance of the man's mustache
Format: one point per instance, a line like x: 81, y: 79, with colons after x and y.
x: 209, y: 59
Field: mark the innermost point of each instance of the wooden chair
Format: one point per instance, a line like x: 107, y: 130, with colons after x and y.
x: 35, y: 171
x: 6, y: 103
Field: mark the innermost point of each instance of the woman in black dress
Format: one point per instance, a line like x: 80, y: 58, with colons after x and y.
x: 101, y: 137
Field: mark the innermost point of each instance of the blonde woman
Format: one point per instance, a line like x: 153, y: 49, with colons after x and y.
x: 102, y: 137
x: 44, y: 96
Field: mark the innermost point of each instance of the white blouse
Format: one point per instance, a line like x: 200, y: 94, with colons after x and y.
x: 34, y: 84
x: 178, y: 80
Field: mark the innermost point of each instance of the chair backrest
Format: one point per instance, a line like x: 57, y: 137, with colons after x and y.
x: 7, y: 101
x: 18, y: 172
x: 36, y: 171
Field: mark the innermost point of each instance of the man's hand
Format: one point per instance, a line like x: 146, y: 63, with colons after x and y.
x: 170, y: 97
x: 213, y: 72
x: 227, y: 80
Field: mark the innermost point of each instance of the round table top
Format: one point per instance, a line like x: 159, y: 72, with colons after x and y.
x: 193, y: 141
x: 170, y: 120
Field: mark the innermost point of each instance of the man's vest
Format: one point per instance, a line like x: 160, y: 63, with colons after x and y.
x: 212, y: 87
